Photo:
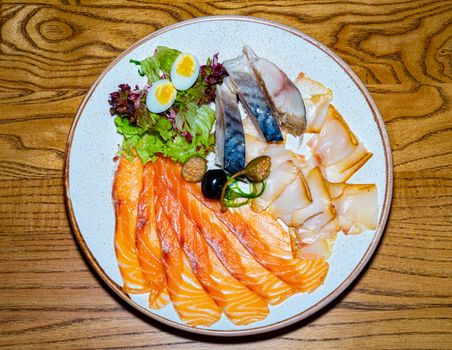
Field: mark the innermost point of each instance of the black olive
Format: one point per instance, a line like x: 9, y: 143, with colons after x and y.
x: 213, y: 182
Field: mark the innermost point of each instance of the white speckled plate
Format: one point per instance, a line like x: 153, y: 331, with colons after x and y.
x: 93, y: 142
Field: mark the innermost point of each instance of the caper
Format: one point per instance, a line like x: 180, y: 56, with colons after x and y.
x: 258, y: 169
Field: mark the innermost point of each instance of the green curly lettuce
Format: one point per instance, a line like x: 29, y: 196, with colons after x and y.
x: 157, y: 136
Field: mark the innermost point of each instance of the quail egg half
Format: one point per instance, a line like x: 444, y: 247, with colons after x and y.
x: 185, y: 71
x: 161, y: 96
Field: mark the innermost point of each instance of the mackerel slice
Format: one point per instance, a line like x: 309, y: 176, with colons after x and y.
x: 230, y: 138
x: 244, y: 83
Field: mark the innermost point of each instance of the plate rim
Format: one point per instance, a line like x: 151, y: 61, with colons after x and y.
x: 321, y: 303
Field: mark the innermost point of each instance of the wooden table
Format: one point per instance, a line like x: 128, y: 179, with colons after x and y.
x: 52, y: 51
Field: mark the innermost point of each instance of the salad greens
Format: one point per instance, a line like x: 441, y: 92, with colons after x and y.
x: 157, y: 136
x: 161, y: 61
x: 179, y: 133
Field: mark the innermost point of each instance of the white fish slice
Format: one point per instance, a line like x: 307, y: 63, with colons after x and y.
x: 275, y: 184
x: 339, y: 152
x: 356, y: 207
x: 317, y: 99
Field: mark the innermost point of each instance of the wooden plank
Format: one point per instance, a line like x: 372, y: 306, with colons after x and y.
x: 51, y: 52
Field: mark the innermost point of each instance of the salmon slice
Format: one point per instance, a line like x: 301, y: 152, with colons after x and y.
x: 126, y: 189
x: 254, y: 231
x: 227, y: 247
x: 239, y: 303
x: 276, y: 239
x: 263, y: 237
x: 148, y: 244
x: 192, y: 303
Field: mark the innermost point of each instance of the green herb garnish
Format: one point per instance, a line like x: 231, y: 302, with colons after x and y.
x: 235, y: 197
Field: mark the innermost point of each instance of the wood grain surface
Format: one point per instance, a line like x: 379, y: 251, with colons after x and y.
x: 50, y: 54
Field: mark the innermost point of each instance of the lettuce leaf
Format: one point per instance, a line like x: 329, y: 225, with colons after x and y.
x: 165, y: 129
x: 148, y: 120
x: 151, y: 68
x: 197, y: 121
x: 195, y: 94
x: 148, y: 146
x: 166, y: 57
x: 128, y: 130
x: 162, y: 60
x: 180, y: 150
x: 156, y: 135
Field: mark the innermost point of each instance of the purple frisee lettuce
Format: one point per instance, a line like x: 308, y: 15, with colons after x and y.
x: 212, y: 73
x: 128, y: 103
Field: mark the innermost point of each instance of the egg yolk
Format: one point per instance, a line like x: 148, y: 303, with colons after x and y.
x: 186, y: 66
x: 164, y: 93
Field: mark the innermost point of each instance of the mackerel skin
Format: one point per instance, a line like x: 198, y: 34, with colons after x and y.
x: 243, y: 81
x: 230, y: 137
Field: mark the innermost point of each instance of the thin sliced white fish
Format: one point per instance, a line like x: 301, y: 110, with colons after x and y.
x: 321, y: 201
x: 279, y: 179
x: 295, y: 196
x: 356, y: 208
x: 345, y: 168
x: 280, y: 154
x: 309, y: 87
x: 317, y: 250
x: 317, y: 99
x: 255, y: 147
x: 310, y: 234
x: 339, y: 153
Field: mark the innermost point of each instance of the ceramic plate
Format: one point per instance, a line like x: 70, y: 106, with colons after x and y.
x: 93, y: 142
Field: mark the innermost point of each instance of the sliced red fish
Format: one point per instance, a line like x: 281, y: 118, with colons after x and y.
x: 276, y: 239
x: 126, y: 189
x: 227, y: 247
x: 264, y: 238
x: 190, y: 300
x: 239, y: 303
x: 148, y: 244
x: 267, y: 240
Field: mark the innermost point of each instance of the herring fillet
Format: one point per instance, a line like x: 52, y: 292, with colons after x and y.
x: 230, y: 138
x: 239, y: 304
x: 243, y: 81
